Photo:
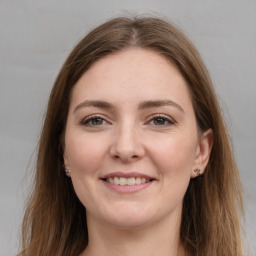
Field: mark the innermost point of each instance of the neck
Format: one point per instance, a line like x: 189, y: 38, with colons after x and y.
x: 156, y: 239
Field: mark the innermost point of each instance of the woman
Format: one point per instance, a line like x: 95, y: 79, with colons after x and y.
x: 134, y: 157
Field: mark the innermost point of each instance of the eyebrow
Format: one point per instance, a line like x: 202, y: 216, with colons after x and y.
x: 94, y: 103
x: 142, y: 106
x: 159, y: 103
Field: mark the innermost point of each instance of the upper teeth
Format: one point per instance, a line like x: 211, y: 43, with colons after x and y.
x: 127, y: 181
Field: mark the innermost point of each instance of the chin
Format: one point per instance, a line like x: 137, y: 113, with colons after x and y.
x: 129, y: 223
x: 129, y: 217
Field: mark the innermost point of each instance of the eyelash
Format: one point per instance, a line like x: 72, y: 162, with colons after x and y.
x: 169, y: 121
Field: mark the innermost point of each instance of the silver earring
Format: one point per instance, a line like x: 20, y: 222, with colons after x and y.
x: 198, y: 171
x: 67, y: 171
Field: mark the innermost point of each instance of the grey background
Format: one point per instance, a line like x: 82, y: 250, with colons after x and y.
x: 36, y: 37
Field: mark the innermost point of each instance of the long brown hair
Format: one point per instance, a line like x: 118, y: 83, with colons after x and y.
x: 55, y: 220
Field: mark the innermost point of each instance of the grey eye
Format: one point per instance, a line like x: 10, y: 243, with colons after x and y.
x: 93, y: 121
x: 160, y: 121
x: 97, y: 121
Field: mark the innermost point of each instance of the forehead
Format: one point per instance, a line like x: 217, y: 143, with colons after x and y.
x: 131, y: 75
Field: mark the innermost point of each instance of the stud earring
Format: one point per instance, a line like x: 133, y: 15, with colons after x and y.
x: 198, y: 171
x: 67, y: 171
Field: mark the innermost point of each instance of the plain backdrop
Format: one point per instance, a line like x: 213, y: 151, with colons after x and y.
x: 36, y: 37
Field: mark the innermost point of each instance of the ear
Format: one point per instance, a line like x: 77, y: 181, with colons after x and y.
x: 203, y: 152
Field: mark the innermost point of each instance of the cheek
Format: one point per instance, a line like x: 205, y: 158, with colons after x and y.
x: 174, y: 155
x: 86, y: 157
x: 85, y: 153
x: 174, y: 161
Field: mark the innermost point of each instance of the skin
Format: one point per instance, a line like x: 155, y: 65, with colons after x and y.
x: 126, y: 138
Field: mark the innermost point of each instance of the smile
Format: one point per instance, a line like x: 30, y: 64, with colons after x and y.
x: 131, y: 181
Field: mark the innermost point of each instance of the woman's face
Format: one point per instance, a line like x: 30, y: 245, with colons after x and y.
x: 131, y: 140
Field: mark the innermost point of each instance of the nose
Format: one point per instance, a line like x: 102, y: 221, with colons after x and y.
x: 127, y: 145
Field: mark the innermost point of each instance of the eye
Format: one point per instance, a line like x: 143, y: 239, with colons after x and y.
x: 93, y: 121
x: 161, y: 120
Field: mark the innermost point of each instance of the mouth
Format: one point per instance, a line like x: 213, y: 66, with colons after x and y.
x: 127, y: 180
x: 131, y: 181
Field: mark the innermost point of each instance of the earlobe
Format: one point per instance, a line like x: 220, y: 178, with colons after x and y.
x: 65, y: 158
x: 68, y: 172
x: 66, y: 163
x: 203, y: 153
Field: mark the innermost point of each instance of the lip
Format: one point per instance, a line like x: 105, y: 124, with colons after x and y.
x: 127, y: 188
